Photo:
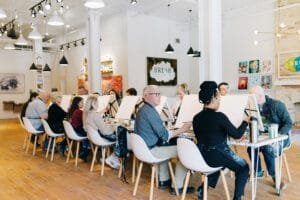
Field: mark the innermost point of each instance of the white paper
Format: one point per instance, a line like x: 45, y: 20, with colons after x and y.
x: 252, y: 105
x: 233, y: 107
x: 127, y: 107
x: 190, y: 106
x: 103, y: 102
x: 66, y: 102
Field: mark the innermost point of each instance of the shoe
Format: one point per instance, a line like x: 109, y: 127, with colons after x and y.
x: 83, y: 155
x: 200, y: 191
x: 180, y: 190
x: 260, y: 174
x: 113, y: 162
x: 282, y: 184
x: 61, y: 150
x: 164, y: 184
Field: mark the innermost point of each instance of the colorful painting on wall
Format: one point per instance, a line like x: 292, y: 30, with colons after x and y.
x: 12, y: 83
x: 254, y: 81
x: 289, y: 64
x: 161, y: 71
x: 266, y: 81
x: 243, y: 83
x: 243, y: 67
x: 112, y: 82
x: 254, y: 66
x: 266, y: 66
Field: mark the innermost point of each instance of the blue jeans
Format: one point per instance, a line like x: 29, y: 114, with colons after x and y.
x: 269, y: 153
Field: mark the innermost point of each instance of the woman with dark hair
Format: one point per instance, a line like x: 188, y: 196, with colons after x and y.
x: 131, y: 92
x: 75, y: 116
x: 212, y: 129
x: 33, y: 95
x: 114, y: 103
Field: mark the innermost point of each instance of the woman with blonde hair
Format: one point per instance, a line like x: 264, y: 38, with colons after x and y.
x: 95, y: 120
x: 182, y: 90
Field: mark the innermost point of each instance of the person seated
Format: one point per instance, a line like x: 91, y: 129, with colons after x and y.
x: 150, y: 127
x: 56, y: 115
x: 32, y: 97
x: 114, y: 103
x: 212, y: 129
x: 37, y: 110
x: 224, y: 89
x: 75, y: 117
x: 131, y: 92
x: 272, y: 112
x: 181, y: 91
x: 95, y: 120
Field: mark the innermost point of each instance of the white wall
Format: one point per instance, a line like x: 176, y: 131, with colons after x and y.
x: 238, y: 38
x: 148, y: 37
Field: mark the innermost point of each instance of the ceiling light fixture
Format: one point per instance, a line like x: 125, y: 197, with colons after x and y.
x: 94, y: 4
x: 9, y: 47
x: 33, y: 67
x: 63, y: 61
x: 9, y: 29
x: 34, y: 34
x: 59, y: 1
x: 133, y: 2
x: 55, y: 20
x: 2, y: 13
x: 169, y: 48
x: 46, y: 68
x: 48, y: 5
x: 67, y: 45
x: 21, y: 40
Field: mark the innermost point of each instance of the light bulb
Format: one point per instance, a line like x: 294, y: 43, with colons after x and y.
x: 255, y: 42
x: 255, y: 32
x: 278, y: 35
x: 282, y: 25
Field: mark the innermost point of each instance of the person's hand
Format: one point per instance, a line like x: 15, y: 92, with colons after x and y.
x: 186, y: 126
x: 247, y: 119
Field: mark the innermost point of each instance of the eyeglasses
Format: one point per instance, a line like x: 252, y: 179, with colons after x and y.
x: 156, y: 94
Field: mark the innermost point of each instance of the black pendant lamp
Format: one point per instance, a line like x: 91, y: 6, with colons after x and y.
x: 190, y: 52
x: 47, y: 68
x: 169, y: 48
x: 63, y: 61
x: 33, y: 67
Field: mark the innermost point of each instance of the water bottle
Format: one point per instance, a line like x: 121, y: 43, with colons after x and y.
x: 253, y: 129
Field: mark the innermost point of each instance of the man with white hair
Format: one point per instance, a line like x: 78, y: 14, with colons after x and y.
x: 272, y: 112
x: 151, y: 128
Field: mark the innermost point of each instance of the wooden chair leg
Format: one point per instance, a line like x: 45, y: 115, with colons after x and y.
x: 173, y: 178
x: 133, y: 168
x: 70, y: 149
x: 48, y: 147
x: 121, y: 167
x: 34, y: 145
x: 94, y: 158
x: 53, y: 148
x: 153, y: 173
x: 205, y: 188
x: 70, y: 144
x: 186, y: 182
x: 28, y: 143
x: 225, y: 185
x: 156, y: 175
x: 103, y: 160
x: 287, y: 169
x: 25, y: 141
x: 77, y: 152
x: 137, y: 179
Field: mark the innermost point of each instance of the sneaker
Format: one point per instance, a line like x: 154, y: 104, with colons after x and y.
x: 282, y: 184
x: 61, y: 149
x: 260, y: 174
x: 113, y: 162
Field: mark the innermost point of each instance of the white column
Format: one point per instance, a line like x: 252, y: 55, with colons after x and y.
x: 38, y: 60
x: 210, y: 40
x: 93, y: 41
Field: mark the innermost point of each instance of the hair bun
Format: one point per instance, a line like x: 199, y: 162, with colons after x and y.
x: 208, y: 85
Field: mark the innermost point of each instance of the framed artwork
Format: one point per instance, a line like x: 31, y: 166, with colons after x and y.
x: 266, y: 81
x: 254, y: 66
x: 12, y: 83
x: 254, y: 81
x: 161, y: 71
x: 243, y: 67
x: 289, y: 64
x: 106, y: 66
x: 266, y: 66
x: 112, y: 82
x: 243, y: 83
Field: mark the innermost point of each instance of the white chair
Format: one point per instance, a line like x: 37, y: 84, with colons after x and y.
x: 74, y: 137
x: 32, y: 131
x: 27, y: 136
x: 52, y: 137
x: 191, y: 158
x: 142, y: 153
x: 98, y: 141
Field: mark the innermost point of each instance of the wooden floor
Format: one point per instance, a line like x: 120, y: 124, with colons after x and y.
x: 23, y: 176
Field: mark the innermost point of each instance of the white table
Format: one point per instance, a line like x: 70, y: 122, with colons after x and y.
x: 262, y: 141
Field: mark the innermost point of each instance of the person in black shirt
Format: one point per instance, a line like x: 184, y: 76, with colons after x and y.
x: 56, y: 114
x: 212, y: 129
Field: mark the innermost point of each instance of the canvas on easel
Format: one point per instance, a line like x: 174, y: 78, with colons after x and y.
x: 127, y: 107
x: 253, y: 110
x: 190, y: 106
x: 66, y: 102
x: 103, y: 102
x: 164, y: 109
